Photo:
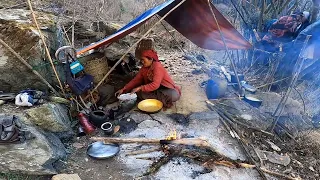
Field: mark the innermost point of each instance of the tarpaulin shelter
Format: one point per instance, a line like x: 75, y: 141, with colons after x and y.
x: 193, y: 19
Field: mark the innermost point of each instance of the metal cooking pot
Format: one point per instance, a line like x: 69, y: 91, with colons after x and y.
x: 97, y: 118
x: 216, y: 88
x: 234, y: 78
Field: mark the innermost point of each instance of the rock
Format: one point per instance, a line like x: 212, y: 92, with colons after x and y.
x: 247, y: 117
x: 2, y: 102
x: 116, y: 50
x: 19, y: 32
x: 33, y: 157
x: 278, y: 159
x: 179, y: 118
x: 66, y: 177
x: 205, y: 116
x: 51, y: 117
x: 139, y: 117
x: 273, y: 146
x: 311, y: 168
x: 148, y: 124
x: 287, y: 171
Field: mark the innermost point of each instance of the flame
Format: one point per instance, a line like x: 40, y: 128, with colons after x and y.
x: 172, y: 135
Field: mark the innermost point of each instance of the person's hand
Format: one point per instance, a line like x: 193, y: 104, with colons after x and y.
x: 136, y: 90
x: 119, y: 92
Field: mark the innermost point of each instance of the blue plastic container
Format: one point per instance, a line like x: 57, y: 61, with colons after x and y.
x: 216, y: 88
x: 76, y: 67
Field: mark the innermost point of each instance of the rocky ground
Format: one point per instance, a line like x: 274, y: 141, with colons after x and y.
x: 190, y: 117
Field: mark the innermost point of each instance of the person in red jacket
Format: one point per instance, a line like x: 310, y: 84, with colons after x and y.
x: 153, y: 81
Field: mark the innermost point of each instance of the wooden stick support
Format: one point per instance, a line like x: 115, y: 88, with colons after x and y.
x: 46, y: 48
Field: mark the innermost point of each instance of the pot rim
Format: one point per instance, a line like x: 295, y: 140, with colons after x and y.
x: 106, y: 129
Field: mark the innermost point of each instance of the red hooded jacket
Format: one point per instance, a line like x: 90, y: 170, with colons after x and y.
x: 150, y: 79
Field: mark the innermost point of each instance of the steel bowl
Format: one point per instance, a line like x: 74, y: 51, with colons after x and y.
x: 99, y: 150
x: 150, y: 105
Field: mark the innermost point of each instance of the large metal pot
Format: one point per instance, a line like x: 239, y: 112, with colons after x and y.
x: 216, y: 88
x: 97, y: 118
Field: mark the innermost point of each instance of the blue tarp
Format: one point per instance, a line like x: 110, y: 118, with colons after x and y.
x: 194, y: 19
x: 127, y: 29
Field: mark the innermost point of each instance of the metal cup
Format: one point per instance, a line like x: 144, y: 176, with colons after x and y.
x: 107, y: 128
x: 81, y: 131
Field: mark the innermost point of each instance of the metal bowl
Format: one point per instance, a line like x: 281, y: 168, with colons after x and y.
x: 150, y: 105
x: 99, y: 150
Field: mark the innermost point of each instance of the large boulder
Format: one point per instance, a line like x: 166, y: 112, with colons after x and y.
x: 50, y: 117
x: 18, y: 31
x: 35, y: 157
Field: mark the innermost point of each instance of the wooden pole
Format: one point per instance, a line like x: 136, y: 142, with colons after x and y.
x: 283, y: 101
x: 29, y: 66
x: 225, y: 45
x: 185, y: 141
x: 261, y: 16
x: 46, y: 48
x: 119, y: 61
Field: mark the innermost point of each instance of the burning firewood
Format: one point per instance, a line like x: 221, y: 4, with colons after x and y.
x: 196, y: 149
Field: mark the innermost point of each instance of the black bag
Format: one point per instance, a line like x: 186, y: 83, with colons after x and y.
x: 9, y: 131
x: 78, y: 85
x: 81, y: 84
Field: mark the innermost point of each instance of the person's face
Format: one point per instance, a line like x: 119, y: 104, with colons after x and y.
x: 146, y: 62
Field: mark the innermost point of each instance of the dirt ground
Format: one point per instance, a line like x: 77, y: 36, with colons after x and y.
x: 193, y: 96
x: 181, y: 71
x: 159, y: 126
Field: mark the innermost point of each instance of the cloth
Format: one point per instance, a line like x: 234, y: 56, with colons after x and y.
x: 23, y: 99
x: 301, y: 27
x: 150, y: 54
x: 283, y: 29
x: 165, y: 95
x: 151, y: 78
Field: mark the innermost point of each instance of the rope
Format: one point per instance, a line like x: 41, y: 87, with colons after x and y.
x: 46, y: 48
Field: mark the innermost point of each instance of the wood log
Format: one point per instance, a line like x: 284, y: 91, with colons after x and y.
x: 143, y: 151
x: 185, y: 141
x: 126, y: 140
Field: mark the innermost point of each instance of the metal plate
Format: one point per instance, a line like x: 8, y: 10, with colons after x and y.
x: 99, y: 150
x: 150, y: 105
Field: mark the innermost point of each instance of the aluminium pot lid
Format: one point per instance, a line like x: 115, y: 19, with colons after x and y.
x: 99, y: 150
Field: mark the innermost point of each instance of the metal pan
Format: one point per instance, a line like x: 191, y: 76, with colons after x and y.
x: 99, y: 150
